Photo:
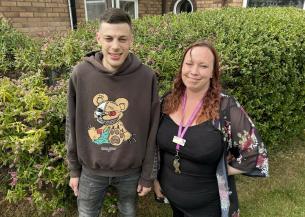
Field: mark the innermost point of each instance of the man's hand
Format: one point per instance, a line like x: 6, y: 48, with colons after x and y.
x: 74, y: 185
x: 142, y: 190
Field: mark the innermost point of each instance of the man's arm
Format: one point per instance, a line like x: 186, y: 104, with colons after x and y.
x: 73, y: 163
x: 147, y: 175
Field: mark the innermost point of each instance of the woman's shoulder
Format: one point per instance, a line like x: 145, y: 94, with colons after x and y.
x: 228, y: 103
x: 226, y: 100
x: 225, y: 96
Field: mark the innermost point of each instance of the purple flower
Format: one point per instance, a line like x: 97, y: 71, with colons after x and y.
x: 14, y: 178
x: 29, y: 199
x: 58, y: 211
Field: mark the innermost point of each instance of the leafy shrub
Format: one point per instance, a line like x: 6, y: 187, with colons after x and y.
x: 31, y: 140
x: 60, y: 54
x: 18, y: 53
x: 262, y: 56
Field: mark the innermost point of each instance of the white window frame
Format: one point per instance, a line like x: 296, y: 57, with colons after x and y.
x: 96, y: 1
x: 136, y: 6
x: 114, y: 3
x: 176, y: 4
x: 245, y: 4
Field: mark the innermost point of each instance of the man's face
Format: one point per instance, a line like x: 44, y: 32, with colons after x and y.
x: 115, y: 40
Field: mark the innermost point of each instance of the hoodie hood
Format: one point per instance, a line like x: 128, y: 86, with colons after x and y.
x: 130, y: 65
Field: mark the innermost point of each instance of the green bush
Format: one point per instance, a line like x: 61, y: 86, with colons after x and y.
x: 32, y: 143
x: 262, y: 56
x: 60, y: 54
x: 18, y: 53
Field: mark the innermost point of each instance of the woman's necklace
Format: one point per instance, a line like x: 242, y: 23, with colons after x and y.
x: 179, y: 140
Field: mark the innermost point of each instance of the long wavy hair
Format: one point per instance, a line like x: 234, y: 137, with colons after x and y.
x: 211, y: 105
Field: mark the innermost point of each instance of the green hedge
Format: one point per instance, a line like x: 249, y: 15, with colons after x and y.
x: 262, y: 53
x: 32, y: 148
x: 262, y: 56
x: 18, y: 53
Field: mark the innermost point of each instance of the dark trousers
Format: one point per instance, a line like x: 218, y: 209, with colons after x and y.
x: 177, y: 212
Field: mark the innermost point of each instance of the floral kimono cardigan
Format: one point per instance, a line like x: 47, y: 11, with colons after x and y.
x: 243, y: 144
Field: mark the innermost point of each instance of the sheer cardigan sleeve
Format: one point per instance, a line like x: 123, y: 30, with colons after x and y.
x: 245, y: 143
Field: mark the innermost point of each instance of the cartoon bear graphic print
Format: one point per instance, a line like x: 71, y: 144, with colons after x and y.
x: 109, y: 114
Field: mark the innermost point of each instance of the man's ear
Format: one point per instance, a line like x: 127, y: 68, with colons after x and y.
x: 98, y: 37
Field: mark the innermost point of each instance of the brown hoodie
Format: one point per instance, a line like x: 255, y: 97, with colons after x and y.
x: 112, y: 119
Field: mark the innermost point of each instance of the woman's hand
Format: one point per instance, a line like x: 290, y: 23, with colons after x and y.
x: 157, y: 189
x: 232, y: 171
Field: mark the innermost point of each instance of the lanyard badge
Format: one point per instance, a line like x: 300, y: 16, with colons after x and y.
x: 179, y: 140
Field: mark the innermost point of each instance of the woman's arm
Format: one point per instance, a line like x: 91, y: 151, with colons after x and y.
x: 157, y: 189
x: 248, y: 150
x: 232, y: 171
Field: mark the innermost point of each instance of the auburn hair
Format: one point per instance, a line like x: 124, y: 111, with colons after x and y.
x: 211, y: 104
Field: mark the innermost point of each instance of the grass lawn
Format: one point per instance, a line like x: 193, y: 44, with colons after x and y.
x: 280, y: 195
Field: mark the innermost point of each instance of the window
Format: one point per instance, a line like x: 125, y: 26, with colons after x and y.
x: 95, y: 8
x: 267, y: 3
x: 183, y: 6
x: 129, y: 6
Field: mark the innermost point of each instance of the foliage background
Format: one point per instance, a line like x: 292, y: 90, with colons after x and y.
x: 263, y: 61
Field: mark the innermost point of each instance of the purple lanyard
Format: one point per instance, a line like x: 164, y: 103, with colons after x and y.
x: 181, y: 132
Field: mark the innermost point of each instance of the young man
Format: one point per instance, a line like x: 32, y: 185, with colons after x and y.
x: 112, y: 120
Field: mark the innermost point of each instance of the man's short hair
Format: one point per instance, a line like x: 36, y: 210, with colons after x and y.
x: 115, y: 16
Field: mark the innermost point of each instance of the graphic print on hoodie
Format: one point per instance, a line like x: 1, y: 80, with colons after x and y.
x: 109, y: 113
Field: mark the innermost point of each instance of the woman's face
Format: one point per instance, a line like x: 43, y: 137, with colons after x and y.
x: 197, y: 69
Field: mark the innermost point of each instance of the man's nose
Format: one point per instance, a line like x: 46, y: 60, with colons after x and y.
x: 115, y: 44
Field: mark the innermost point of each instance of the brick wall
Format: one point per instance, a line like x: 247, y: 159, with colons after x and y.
x: 235, y: 3
x: 203, y: 4
x: 37, y: 17
x: 44, y: 17
x: 168, y: 6
x: 80, y: 11
x: 149, y: 7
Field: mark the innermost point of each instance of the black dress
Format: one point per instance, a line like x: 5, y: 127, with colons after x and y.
x: 195, y: 190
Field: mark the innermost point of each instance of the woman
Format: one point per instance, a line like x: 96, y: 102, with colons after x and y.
x: 205, y: 137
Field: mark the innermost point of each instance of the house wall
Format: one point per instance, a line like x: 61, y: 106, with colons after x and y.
x: 148, y: 7
x: 45, y: 17
x: 37, y: 17
x: 169, y: 6
x: 80, y: 11
x: 235, y: 3
x: 203, y: 4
